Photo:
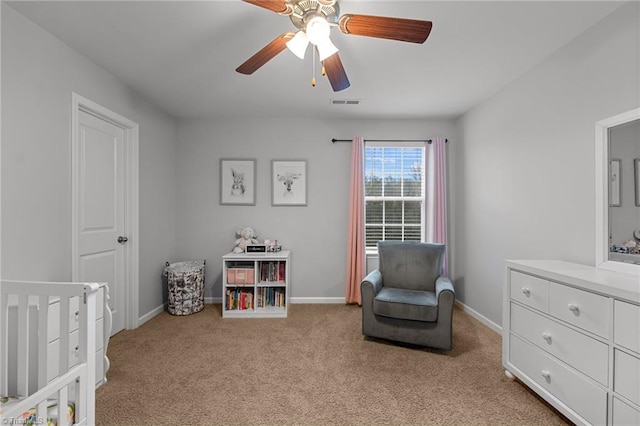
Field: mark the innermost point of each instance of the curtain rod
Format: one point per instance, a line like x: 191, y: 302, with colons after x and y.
x: 386, y: 140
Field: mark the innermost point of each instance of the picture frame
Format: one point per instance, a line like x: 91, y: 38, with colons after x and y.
x: 636, y: 175
x: 614, y: 183
x: 288, y: 182
x: 237, y: 182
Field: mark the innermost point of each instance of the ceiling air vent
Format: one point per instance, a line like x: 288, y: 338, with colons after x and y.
x: 345, y: 101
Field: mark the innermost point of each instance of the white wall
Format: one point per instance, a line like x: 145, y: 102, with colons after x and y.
x: 39, y: 73
x: 525, y: 163
x: 316, y: 234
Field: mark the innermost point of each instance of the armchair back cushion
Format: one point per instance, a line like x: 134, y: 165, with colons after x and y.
x: 410, y: 266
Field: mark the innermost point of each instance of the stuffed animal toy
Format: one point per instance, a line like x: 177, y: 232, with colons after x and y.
x: 247, y: 237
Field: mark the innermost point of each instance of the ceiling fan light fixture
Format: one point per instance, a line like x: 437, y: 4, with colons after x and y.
x: 298, y: 44
x: 318, y: 30
x: 326, y: 48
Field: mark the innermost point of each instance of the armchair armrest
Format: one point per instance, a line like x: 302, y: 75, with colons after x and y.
x: 370, y: 286
x: 444, y: 284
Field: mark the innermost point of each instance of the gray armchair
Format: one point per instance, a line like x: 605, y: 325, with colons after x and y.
x: 407, y: 299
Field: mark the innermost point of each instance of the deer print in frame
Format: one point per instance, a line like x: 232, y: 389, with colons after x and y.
x: 289, y: 182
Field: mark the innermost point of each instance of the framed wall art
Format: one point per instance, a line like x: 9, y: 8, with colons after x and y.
x: 288, y: 182
x: 237, y: 182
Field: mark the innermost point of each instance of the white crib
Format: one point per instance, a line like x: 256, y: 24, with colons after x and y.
x: 53, y: 342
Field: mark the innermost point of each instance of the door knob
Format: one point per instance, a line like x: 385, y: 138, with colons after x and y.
x: 122, y: 239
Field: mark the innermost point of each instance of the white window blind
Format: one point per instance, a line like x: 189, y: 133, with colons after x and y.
x: 394, y: 192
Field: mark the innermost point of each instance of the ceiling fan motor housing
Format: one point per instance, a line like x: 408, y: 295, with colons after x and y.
x: 302, y: 11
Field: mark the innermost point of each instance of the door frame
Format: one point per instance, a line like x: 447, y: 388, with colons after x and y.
x: 131, y: 155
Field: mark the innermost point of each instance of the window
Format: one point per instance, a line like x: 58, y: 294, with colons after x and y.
x: 393, y: 192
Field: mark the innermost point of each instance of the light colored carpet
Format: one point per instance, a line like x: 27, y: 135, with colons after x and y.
x: 312, y: 368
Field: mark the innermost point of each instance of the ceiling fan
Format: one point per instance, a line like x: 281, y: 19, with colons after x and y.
x: 314, y: 20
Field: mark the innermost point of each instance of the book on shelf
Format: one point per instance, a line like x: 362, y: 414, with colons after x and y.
x: 237, y: 299
x: 272, y: 271
x: 271, y: 297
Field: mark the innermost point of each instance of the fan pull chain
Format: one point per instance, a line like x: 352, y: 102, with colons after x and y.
x: 313, y: 74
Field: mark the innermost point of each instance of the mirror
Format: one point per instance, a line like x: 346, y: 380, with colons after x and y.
x: 618, y: 193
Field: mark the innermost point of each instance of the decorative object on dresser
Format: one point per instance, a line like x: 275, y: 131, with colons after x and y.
x: 255, y: 284
x: 571, y: 333
x: 407, y: 299
x: 289, y: 182
x: 238, y: 182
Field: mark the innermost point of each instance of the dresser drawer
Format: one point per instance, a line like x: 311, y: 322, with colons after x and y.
x: 624, y: 414
x: 530, y: 290
x: 73, y: 354
x: 626, y: 325
x: 626, y: 380
x: 53, y: 317
x: 583, y: 309
x: 577, y: 392
x: 582, y: 352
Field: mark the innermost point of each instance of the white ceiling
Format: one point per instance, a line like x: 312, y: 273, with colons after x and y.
x: 182, y: 55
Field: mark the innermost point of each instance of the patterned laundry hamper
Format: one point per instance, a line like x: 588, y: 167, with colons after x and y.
x: 186, y: 287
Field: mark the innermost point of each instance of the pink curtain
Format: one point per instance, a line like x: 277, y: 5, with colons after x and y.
x: 437, y: 194
x: 355, y: 243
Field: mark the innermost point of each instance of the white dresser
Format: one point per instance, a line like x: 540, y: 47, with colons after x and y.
x: 572, y: 334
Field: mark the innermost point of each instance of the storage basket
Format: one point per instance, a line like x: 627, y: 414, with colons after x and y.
x: 185, y: 282
x: 240, y: 276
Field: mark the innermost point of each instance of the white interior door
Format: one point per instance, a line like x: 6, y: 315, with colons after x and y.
x: 101, y: 209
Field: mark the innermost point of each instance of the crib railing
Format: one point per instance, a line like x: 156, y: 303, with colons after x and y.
x: 80, y: 379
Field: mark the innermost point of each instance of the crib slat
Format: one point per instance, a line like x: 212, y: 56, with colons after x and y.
x: 88, y: 348
x: 81, y: 402
x: 63, y: 358
x: 41, y: 412
x: 23, y: 345
x: 4, y: 347
x: 63, y: 409
x: 43, y: 339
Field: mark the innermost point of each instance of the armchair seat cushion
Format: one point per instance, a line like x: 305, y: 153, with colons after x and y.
x: 416, y: 305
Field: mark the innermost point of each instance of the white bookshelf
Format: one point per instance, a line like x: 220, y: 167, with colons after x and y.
x: 255, y: 285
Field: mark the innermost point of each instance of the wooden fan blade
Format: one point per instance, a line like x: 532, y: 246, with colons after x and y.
x: 278, y: 6
x: 265, y: 54
x: 411, y: 30
x: 335, y: 73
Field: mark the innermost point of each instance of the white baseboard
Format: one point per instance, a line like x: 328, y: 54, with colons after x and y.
x: 294, y: 300
x: 316, y: 300
x: 149, y: 315
x: 486, y: 321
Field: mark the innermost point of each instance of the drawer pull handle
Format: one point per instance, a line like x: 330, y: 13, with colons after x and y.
x: 76, y: 316
x: 76, y: 350
x: 526, y: 291
x: 546, y: 336
x: 546, y: 375
x: 574, y: 308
